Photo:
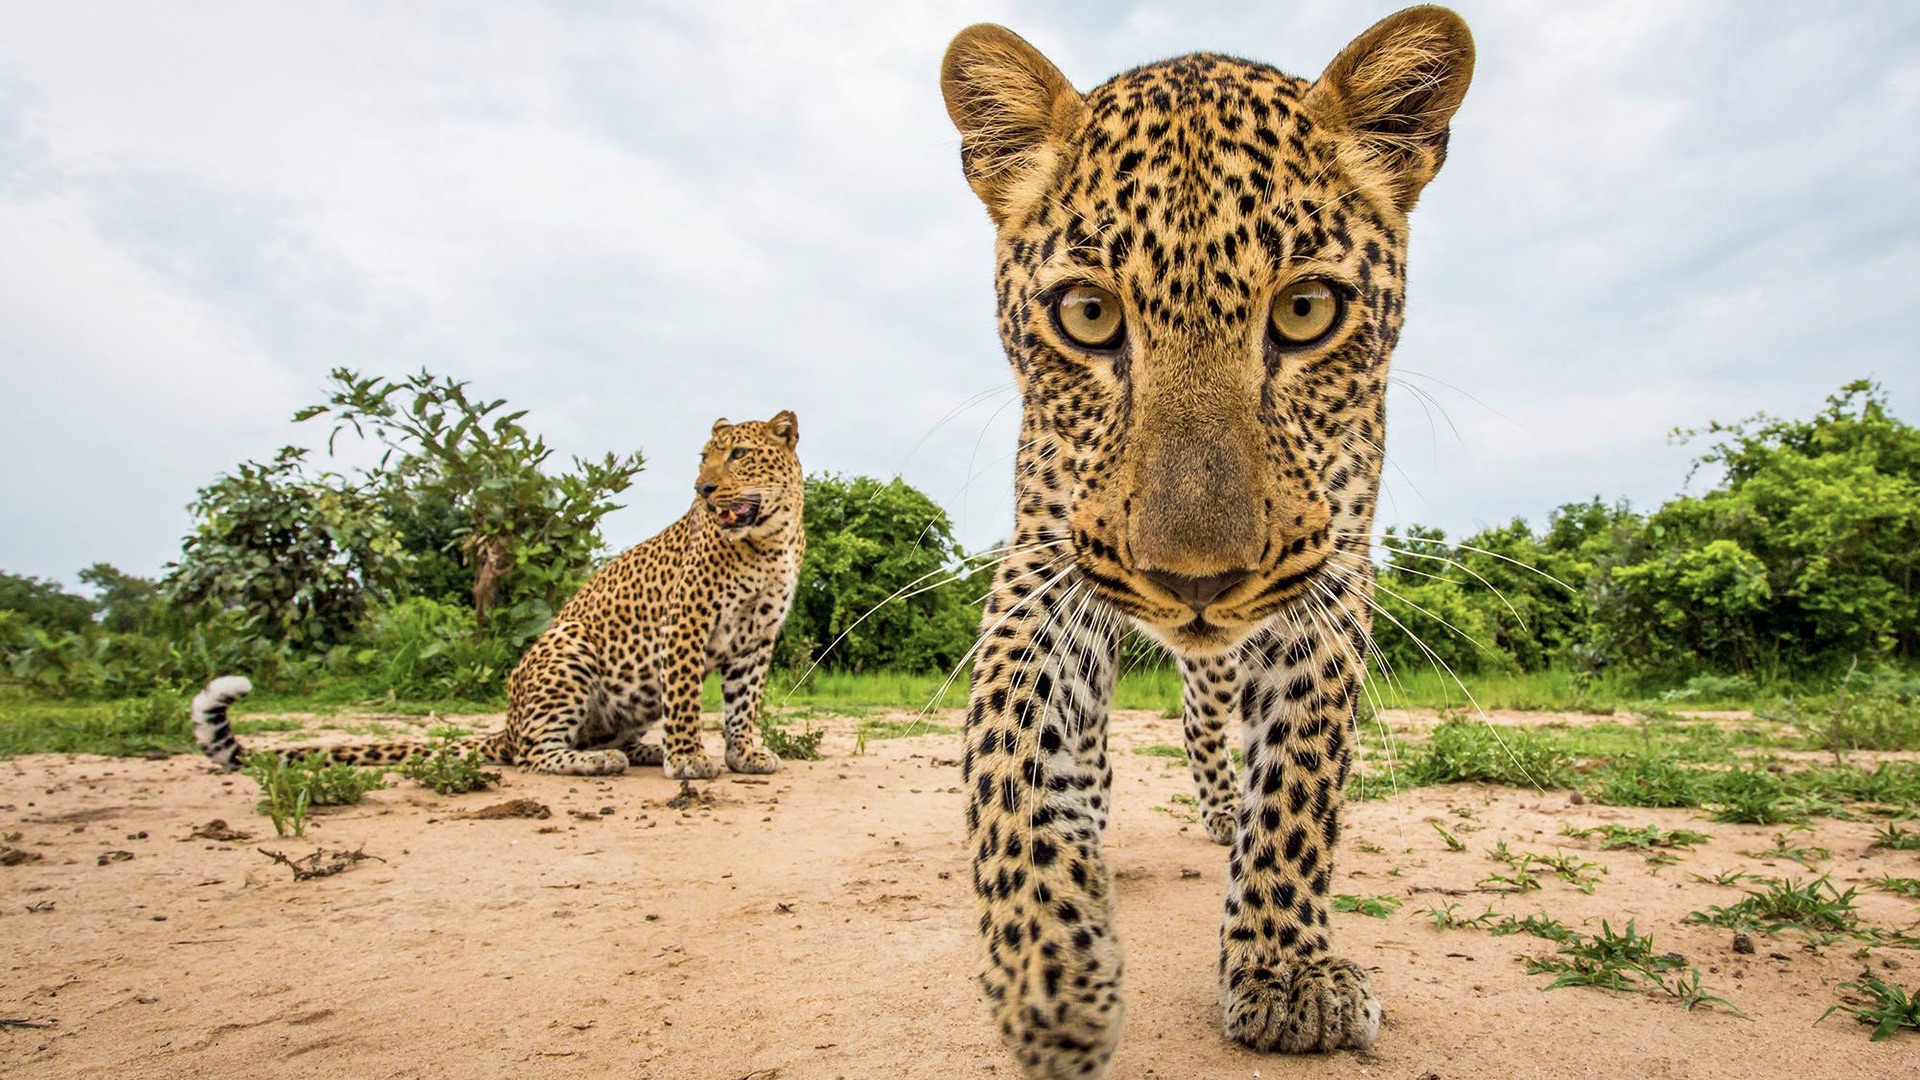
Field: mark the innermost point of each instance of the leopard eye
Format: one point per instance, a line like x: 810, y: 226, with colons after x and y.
x: 1089, y: 316
x: 1304, y: 312
x: 736, y: 453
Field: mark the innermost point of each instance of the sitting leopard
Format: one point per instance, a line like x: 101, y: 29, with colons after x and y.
x: 632, y: 647
x: 1199, y: 270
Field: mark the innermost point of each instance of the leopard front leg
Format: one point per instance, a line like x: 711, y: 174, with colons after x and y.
x: 1279, y: 984
x: 683, y: 667
x: 743, y: 679
x: 1209, y: 701
x: 1036, y: 733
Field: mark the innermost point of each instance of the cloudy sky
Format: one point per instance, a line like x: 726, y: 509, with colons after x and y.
x: 631, y: 219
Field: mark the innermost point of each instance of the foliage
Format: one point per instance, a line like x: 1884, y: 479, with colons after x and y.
x: 1888, y: 1008
x: 1647, y: 780
x: 123, y: 603
x: 289, y: 787
x: 44, y: 604
x: 529, y: 537
x: 1750, y: 794
x: 1462, y: 750
x: 1815, y: 907
x: 1373, y: 907
x: 151, y: 723
x: 297, y: 555
x: 884, y: 584
x: 430, y: 649
x: 449, y: 768
x: 804, y: 746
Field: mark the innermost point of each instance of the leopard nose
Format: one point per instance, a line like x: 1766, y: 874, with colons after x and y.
x: 1198, y: 592
x: 706, y: 489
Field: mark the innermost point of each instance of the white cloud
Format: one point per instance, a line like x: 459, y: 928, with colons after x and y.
x: 633, y: 220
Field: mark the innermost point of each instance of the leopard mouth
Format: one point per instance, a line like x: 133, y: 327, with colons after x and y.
x: 739, y: 514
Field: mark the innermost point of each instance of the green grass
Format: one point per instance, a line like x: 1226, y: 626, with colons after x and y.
x: 1908, y: 887
x: 1895, y: 838
x: 1470, y: 750
x: 1625, y: 962
x: 1373, y: 907
x: 1814, y: 907
x: 1645, y: 838
x: 1888, y: 1008
x: 1784, y: 848
x: 155, y: 723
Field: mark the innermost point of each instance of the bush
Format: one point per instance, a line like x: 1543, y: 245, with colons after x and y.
x: 421, y: 648
x: 289, y: 787
x: 1473, y: 750
x: 450, y: 768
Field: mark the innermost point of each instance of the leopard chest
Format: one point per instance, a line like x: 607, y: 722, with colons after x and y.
x: 749, y: 608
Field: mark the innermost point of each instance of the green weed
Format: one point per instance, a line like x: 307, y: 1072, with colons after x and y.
x: 1815, y: 907
x: 804, y: 746
x: 1374, y: 907
x: 1784, y: 848
x: 449, y: 768
x: 1641, y: 780
x: 1164, y: 750
x: 1749, y: 795
x: 1887, y: 1008
x: 1645, y: 838
x: 1895, y: 838
x: 1461, y: 750
x: 1908, y: 887
x: 289, y: 787
x: 1539, y: 924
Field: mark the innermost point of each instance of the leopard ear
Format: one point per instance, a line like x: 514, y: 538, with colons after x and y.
x: 1015, y: 112
x: 1395, y: 89
x: 721, y: 425
x: 786, y: 426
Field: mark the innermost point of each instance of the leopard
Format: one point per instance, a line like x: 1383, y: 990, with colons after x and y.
x: 1199, y: 281
x: 630, y: 650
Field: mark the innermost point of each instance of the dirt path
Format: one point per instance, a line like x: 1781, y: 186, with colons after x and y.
x: 818, y: 926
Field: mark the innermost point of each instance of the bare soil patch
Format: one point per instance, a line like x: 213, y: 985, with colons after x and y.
x: 817, y: 923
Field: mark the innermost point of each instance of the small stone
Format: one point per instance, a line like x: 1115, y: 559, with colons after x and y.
x: 1743, y: 944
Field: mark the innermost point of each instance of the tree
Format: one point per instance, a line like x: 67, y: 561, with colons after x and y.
x: 883, y: 585
x: 126, y: 602
x: 528, y: 537
x: 44, y: 603
x: 298, y: 555
x: 1805, y: 556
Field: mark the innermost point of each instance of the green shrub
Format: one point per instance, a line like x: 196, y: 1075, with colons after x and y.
x: 789, y: 747
x: 421, y: 648
x: 290, y: 787
x: 1469, y: 750
x: 450, y: 768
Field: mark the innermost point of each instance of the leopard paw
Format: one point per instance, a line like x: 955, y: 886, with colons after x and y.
x: 756, y: 759
x: 1317, y: 1007
x: 691, y: 767
x: 1221, y: 823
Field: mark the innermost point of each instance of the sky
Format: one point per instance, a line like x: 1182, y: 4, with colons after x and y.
x: 632, y: 219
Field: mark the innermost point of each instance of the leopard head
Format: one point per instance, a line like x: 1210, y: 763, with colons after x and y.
x: 1200, y: 274
x: 750, y: 479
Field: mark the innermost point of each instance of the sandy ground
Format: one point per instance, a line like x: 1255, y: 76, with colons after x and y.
x: 817, y: 924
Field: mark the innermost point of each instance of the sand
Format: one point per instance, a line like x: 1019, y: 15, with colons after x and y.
x: 817, y: 924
